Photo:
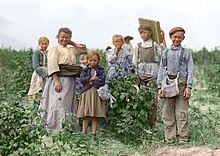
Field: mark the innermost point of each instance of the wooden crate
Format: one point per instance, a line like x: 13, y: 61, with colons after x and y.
x: 155, y: 26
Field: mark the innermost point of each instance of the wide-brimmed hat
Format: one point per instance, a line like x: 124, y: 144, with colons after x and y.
x: 128, y: 37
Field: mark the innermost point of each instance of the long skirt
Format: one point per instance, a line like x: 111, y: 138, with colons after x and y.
x: 90, y: 104
x: 57, y: 107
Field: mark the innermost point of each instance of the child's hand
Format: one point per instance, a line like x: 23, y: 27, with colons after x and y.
x: 160, y: 93
x: 89, y: 84
x: 162, y: 34
x: 187, y: 93
x: 94, y: 78
x: 117, y: 50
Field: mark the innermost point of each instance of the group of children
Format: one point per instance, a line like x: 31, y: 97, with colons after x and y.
x: 147, y: 60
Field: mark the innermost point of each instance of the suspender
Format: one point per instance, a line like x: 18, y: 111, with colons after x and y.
x: 180, y: 61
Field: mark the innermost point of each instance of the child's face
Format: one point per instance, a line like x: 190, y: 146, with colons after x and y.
x: 64, y: 38
x: 177, y: 38
x: 145, y: 35
x: 118, y: 42
x: 93, y: 61
x: 43, y: 46
x: 83, y: 59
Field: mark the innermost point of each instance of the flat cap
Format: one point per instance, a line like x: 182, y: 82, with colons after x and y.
x: 176, y: 29
x: 143, y: 27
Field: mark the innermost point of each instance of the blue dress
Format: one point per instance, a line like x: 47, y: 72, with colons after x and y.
x: 120, y: 66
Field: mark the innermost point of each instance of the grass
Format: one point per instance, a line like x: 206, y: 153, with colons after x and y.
x: 204, y: 122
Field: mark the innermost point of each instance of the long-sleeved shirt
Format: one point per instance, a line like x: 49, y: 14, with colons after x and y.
x: 61, y: 55
x: 119, y: 66
x: 39, y: 59
x: 186, y: 69
x: 124, y: 57
x: 86, y: 75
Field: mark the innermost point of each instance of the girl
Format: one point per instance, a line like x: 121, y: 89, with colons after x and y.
x: 92, y: 77
x: 39, y: 75
x: 58, y: 99
x: 119, y: 59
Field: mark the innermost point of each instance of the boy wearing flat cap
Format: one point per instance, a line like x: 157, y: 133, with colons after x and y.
x: 146, y: 59
x: 177, y: 63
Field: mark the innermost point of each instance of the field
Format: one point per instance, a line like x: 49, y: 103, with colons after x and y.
x: 124, y: 132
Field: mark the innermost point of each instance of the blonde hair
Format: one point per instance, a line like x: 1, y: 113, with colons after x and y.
x: 91, y: 53
x: 43, y: 39
x: 117, y: 35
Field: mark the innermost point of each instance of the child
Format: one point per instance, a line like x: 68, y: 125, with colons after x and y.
x: 119, y: 59
x: 145, y: 60
x: 39, y: 75
x: 92, y: 77
x: 178, y: 61
x: 83, y: 60
x: 83, y: 63
x: 58, y: 99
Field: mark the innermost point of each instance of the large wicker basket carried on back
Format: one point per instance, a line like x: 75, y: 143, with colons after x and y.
x: 155, y: 26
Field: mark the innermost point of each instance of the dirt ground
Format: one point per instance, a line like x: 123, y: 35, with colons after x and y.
x: 192, y: 151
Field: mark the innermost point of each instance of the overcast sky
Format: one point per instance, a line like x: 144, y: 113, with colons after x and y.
x: 94, y: 22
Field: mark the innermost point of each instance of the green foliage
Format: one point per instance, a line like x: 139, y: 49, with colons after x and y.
x: 205, y: 129
x: 209, y: 61
x: 17, y: 130
x: 129, y: 117
x: 17, y: 69
x: 103, y: 58
x: 204, y: 112
x: 19, y: 136
x: 127, y: 121
x: 213, y: 78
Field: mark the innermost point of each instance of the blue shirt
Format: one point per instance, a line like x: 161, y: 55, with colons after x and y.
x: 186, y: 69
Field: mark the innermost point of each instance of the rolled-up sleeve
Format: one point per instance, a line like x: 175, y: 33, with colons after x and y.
x: 135, y: 56
x: 53, y: 58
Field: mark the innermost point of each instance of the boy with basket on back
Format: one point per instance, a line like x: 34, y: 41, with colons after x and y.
x: 146, y: 59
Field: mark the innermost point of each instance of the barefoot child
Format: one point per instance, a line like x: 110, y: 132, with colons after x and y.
x: 91, y: 106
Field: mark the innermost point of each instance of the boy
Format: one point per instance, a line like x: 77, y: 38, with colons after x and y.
x: 145, y: 59
x: 178, y: 62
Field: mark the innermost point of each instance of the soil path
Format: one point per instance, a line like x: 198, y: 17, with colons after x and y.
x: 192, y: 151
